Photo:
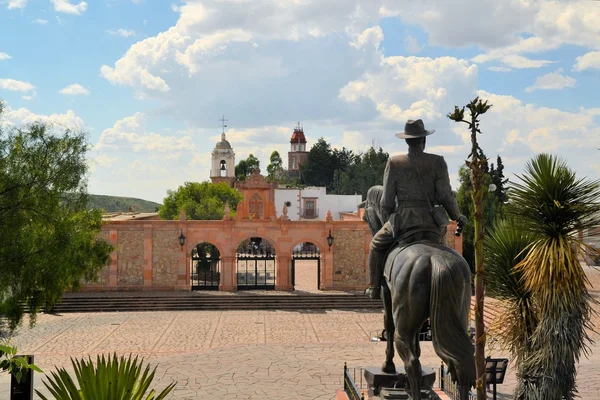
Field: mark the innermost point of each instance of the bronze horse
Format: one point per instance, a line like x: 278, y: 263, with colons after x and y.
x: 425, y: 280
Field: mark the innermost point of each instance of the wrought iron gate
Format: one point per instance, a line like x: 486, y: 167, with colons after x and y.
x: 205, y: 271
x: 256, y: 267
x: 311, y: 253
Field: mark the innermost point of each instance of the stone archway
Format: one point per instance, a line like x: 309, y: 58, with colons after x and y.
x: 205, y: 267
x: 255, y: 264
x: 306, y: 267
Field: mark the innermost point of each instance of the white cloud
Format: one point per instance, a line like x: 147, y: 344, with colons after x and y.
x: 589, y: 60
x: 550, y: 25
x: 28, y: 98
x: 499, y: 69
x: 511, y: 60
x: 41, y: 21
x: 15, y: 4
x: 411, y: 45
x: 23, y: 116
x: 552, y: 81
x: 15, y: 85
x: 129, y: 134
x: 65, y: 6
x: 105, y: 160
x: 369, y: 37
x: 4, y: 56
x: 121, y: 32
x: 404, y: 88
x: 74, y: 90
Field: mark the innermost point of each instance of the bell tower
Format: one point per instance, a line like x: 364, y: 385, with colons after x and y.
x: 297, y: 154
x: 223, y: 160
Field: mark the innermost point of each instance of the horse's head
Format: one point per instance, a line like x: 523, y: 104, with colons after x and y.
x: 372, y: 205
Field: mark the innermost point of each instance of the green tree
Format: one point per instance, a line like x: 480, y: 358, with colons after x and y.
x: 323, y: 162
x: 477, y: 163
x: 246, y: 166
x: 200, y: 200
x: 275, y: 167
x: 535, y: 268
x: 319, y: 166
x: 49, y: 240
x: 465, y: 204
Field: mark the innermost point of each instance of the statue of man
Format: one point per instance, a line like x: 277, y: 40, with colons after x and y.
x: 413, y: 184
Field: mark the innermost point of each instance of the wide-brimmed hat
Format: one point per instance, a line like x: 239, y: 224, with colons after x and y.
x: 414, y: 129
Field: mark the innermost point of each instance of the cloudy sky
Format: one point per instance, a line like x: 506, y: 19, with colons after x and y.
x: 149, y: 79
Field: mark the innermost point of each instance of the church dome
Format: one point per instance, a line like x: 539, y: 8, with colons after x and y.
x: 223, y: 144
x: 298, y: 136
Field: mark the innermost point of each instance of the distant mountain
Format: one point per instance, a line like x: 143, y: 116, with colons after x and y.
x: 121, y: 204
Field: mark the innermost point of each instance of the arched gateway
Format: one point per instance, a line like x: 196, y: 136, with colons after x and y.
x: 163, y: 255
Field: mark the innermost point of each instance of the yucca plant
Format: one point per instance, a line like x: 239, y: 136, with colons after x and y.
x: 505, y: 247
x: 111, y: 378
x: 551, y: 205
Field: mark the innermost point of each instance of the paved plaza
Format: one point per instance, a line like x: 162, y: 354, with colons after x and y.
x: 240, y: 354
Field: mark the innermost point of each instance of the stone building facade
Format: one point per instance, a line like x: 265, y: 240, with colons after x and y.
x: 148, y: 254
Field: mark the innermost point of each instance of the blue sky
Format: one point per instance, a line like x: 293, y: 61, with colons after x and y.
x: 149, y: 79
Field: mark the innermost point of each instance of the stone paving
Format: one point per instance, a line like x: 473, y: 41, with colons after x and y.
x: 240, y: 354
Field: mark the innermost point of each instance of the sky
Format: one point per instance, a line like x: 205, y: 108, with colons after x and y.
x: 149, y: 80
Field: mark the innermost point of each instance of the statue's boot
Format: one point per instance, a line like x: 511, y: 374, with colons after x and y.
x: 376, y: 260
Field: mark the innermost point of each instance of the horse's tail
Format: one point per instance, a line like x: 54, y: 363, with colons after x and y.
x: 449, y: 311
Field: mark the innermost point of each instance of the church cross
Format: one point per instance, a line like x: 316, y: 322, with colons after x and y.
x: 223, y: 120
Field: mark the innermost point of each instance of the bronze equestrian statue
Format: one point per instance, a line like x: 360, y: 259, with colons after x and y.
x: 418, y: 277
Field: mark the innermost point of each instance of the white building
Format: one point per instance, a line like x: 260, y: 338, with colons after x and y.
x: 313, y: 203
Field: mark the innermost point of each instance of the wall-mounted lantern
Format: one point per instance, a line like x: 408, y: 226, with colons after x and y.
x: 182, y: 239
x: 330, y: 240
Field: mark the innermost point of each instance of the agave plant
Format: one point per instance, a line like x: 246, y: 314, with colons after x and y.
x: 551, y: 307
x: 111, y: 378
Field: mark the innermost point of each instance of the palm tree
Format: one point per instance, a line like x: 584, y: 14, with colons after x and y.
x: 534, y: 264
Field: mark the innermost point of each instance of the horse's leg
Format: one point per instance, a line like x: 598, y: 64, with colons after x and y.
x: 412, y: 365
x: 388, y: 321
x: 411, y: 309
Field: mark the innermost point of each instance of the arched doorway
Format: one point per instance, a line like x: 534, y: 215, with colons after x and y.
x: 306, y: 267
x: 255, y: 264
x: 205, y: 268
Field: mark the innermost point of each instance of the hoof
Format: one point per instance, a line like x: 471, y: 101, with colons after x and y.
x: 374, y: 293
x: 388, y: 367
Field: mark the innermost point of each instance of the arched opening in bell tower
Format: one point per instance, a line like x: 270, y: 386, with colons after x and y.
x: 223, y: 168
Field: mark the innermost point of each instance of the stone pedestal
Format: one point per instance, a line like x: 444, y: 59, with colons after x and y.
x: 391, y: 386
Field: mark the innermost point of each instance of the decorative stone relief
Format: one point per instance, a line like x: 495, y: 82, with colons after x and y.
x: 165, y: 258
x: 131, y: 258
x: 349, y: 258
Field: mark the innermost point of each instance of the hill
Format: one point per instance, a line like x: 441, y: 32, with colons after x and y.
x: 121, y: 204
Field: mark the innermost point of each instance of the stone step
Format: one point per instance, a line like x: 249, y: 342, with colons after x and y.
x: 216, y: 302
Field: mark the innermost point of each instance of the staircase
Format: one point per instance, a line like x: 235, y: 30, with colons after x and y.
x: 172, y: 302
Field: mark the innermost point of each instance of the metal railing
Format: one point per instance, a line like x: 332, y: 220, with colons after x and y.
x: 445, y: 383
x: 350, y: 387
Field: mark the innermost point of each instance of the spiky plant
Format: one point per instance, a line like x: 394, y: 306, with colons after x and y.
x: 504, y: 249
x: 111, y: 378
x: 552, y: 205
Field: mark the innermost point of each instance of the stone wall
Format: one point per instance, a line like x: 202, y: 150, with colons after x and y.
x: 131, y: 258
x: 103, y: 275
x: 349, y: 259
x: 165, y: 256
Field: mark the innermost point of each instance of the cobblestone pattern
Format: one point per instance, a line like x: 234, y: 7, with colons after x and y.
x: 165, y: 256
x: 349, y: 259
x: 131, y: 258
x: 247, y: 354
